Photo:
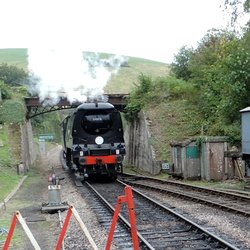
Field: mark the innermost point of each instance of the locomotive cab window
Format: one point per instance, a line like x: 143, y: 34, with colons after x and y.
x: 97, y: 124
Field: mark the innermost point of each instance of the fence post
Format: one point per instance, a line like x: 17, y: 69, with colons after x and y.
x: 131, y: 207
x: 73, y: 211
x: 84, y: 229
x: 121, y: 199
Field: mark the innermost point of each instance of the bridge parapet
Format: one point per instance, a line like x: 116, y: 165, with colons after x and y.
x: 36, y: 107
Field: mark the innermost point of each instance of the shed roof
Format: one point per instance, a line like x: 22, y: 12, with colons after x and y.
x: 247, y: 109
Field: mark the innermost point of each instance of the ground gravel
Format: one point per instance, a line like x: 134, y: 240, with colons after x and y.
x: 75, y: 238
x: 235, y: 228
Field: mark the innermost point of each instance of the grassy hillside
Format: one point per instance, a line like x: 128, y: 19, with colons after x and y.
x: 174, y: 120
x: 17, y: 57
x: 121, y: 83
x: 8, y: 177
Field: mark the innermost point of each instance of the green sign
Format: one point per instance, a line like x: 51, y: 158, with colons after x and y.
x: 46, y: 136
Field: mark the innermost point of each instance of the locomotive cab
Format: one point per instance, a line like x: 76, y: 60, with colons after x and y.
x: 93, y: 140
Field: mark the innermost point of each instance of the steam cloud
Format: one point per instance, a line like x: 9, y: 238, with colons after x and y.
x: 57, y: 73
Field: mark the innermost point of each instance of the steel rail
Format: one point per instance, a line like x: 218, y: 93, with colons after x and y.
x: 126, y: 222
x: 190, y: 197
x: 227, y: 244
x: 143, y: 240
x: 189, y: 186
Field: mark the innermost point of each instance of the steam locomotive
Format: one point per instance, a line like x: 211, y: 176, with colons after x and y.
x: 93, y: 141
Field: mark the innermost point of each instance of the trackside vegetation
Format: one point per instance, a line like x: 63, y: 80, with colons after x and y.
x: 212, y: 81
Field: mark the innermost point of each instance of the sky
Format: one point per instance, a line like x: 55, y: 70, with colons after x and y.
x: 150, y: 29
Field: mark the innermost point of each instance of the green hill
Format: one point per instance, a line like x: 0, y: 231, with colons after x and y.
x: 120, y: 83
x: 124, y: 81
x: 16, y: 57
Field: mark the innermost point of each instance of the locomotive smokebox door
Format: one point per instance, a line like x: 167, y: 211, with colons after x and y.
x: 245, y: 121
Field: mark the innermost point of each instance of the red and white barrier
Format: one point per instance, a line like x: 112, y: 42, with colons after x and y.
x: 18, y: 217
x: 129, y: 199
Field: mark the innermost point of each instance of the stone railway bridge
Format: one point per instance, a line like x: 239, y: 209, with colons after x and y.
x: 139, y: 151
x: 35, y: 107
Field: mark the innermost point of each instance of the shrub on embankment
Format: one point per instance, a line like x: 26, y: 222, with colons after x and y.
x: 16, y: 146
x: 171, y: 114
x: 203, y: 95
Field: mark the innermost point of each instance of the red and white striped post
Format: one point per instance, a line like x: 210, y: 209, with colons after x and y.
x: 18, y: 217
x: 130, y: 200
x: 11, y: 232
x: 73, y: 211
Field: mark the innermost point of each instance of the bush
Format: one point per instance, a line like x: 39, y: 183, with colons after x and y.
x: 13, y: 111
x: 4, y: 91
x: 149, y: 92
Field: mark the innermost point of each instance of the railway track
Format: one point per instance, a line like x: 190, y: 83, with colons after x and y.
x: 229, y: 201
x: 104, y: 213
x: 158, y: 227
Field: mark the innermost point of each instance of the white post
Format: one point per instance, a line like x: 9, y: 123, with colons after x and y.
x: 27, y: 231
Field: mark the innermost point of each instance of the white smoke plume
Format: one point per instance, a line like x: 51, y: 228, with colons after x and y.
x: 57, y: 73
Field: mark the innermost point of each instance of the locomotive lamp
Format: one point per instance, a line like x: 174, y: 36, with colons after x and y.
x: 99, y: 140
x: 82, y: 160
x: 119, y: 158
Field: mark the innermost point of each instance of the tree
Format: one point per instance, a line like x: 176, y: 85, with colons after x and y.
x: 220, y: 71
x: 12, y: 75
x: 238, y: 9
x: 233, y: 71
x: 180, y: 66
x: 5, y: 91
x: 48, y: 123
x: 13, y: 111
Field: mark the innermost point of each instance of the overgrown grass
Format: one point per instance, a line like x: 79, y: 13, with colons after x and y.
x: 8, y: 174
x: 8, y: 181
x: 17, y: 239
x: 5, y: 156
x: 172, y: 121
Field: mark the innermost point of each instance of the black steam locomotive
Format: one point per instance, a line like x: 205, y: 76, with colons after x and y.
x: 93, y: 140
